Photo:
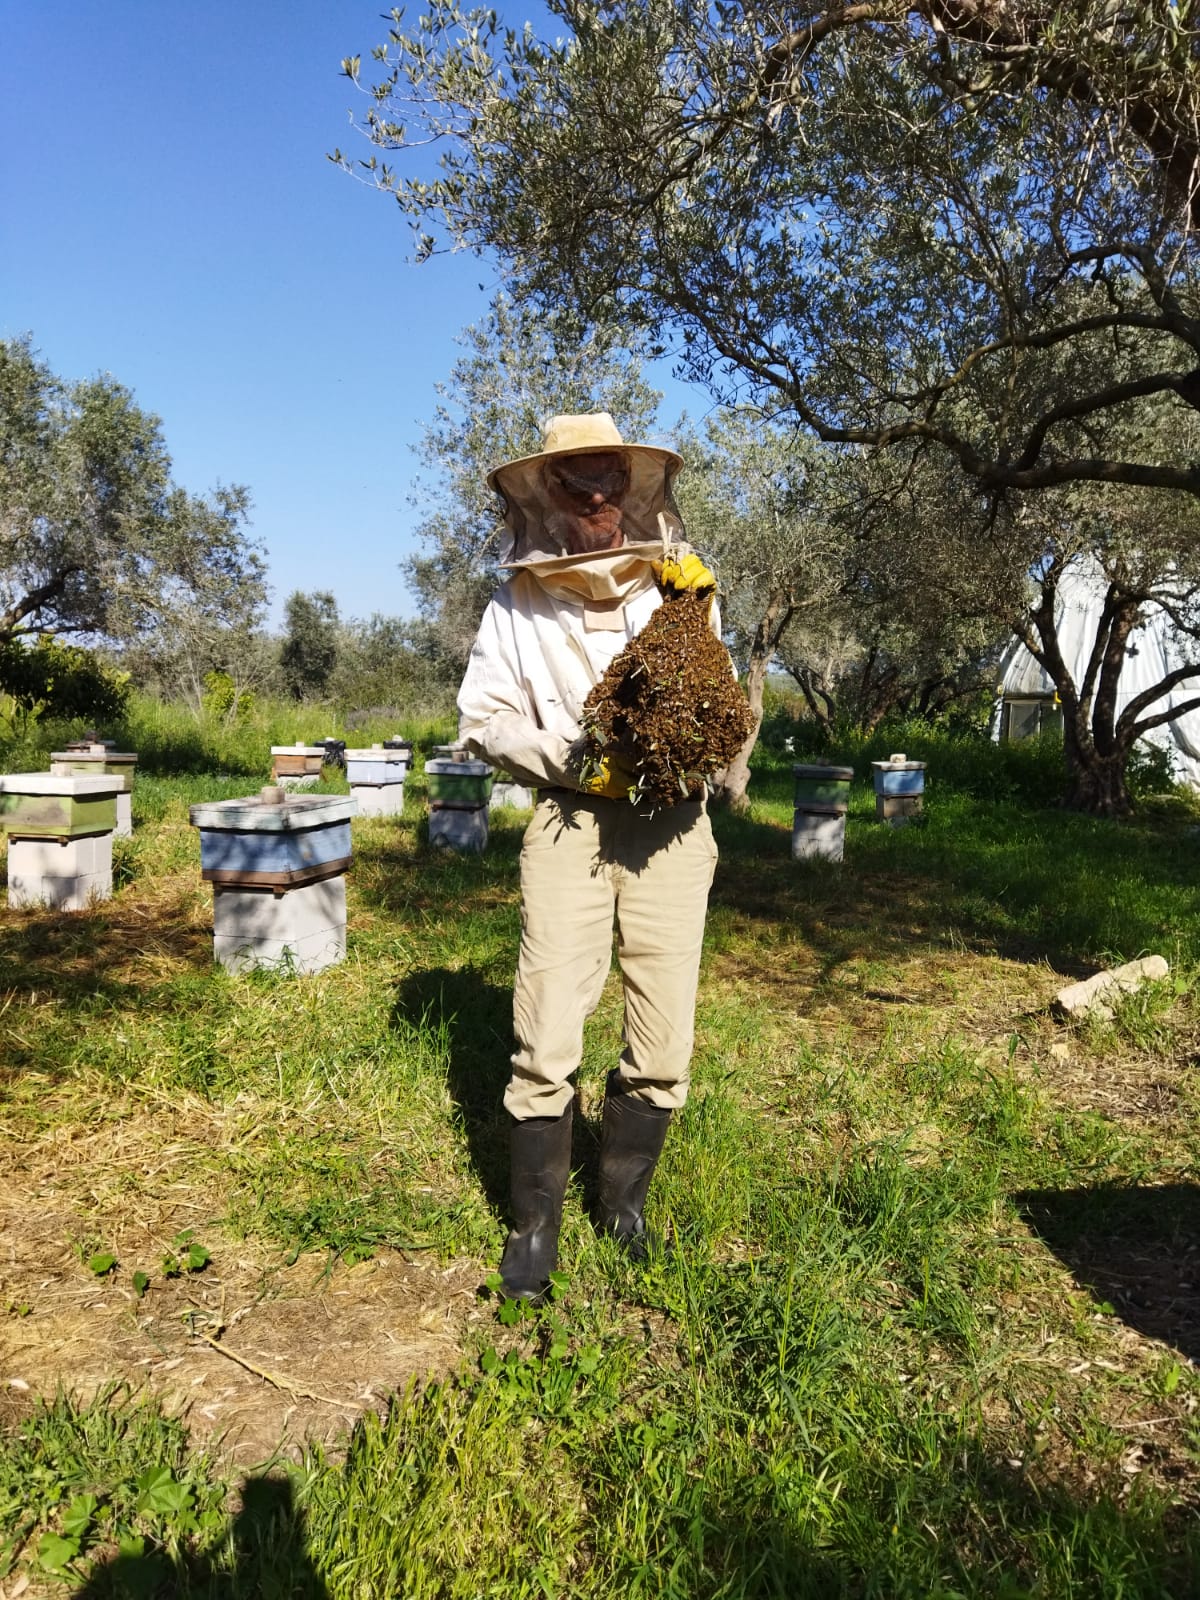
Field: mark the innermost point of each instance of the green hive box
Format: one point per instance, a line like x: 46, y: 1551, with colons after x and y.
x: 40, y: 805
x: 822, y: 788
x: 463, y: 783
x: 111, y: 764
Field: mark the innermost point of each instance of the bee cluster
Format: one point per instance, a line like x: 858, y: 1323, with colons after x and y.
x: 669, y: 704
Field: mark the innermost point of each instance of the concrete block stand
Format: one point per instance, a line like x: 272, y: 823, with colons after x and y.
x: 101, y: 759
x: 462, y: 828
x: 60, y: 833
x: 64, y: 875
x: 379, y: 800
x: 303, y: 929
x: 817, y: 835
x: 277, y: 863
x: 507, y: 793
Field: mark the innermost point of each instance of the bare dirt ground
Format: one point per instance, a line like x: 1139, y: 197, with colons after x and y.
x: 260, y: 1357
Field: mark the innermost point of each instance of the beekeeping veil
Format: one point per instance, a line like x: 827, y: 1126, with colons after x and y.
x: 600, y: 582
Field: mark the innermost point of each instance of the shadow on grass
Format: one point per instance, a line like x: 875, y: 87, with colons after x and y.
x: 979, y: 1532
x: 399, y: 872
x: 103, y: 956
x: 1135, y: 1247
x: 476, y: 1015
x: 270, y: 1557
x: 1026, y: 886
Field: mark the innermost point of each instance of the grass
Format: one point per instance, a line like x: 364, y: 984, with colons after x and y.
x: 929, y: 1326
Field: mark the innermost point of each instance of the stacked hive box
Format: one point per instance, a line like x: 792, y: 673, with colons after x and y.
x: 377, y: 777
x: 458, y: 803
x: 100, y: 759
x: 822, y: 798
x: 60, y: 833
x: 899, y: 789
x: 277, y: 864
x: 296, y: 766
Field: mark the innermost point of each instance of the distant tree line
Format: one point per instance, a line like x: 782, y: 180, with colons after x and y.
x: 871, y: 578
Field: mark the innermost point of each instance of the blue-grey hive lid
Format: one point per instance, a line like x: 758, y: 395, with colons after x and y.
x: 274, y: 840
x: 274, y: 810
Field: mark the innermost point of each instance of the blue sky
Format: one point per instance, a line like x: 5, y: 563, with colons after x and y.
x: 168, y: 214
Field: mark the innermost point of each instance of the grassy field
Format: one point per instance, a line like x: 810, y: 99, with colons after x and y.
x: 932, y: 1316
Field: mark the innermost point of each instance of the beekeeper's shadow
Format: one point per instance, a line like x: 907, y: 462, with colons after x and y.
x: 474, y: 1015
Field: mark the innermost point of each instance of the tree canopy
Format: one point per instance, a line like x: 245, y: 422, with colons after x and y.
x: 945, y: 225
x: 517, y: 369
x: 309, y: 650
x: 96, y: 541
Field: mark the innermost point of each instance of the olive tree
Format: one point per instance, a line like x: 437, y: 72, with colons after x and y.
x: 957, y: 233
x: 930, y: 552
x: 758, y: 501
x: 887, y: 221
x: 96, y: 541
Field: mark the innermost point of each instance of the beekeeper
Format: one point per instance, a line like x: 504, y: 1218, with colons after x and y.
x: 589, y: 522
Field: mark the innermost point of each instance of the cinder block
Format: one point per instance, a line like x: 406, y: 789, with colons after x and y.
x: 53, y: 858
x: 378, y: 800
x: 259, y: 915
x: 507, y: 793
x: 453, y: 828
x: 124, y: 827
x: 312, y: 953
x: 818, y: 834
x: 67, y: 877
x: 300, y: 780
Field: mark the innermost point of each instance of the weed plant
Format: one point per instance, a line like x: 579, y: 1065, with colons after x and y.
x: 909, y: 1340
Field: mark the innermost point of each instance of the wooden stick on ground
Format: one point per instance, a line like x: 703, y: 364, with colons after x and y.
x: 271, y: 1377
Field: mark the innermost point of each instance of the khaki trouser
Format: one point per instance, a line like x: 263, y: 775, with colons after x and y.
x: 583, y: 860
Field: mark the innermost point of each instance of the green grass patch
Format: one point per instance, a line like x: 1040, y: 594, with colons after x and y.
x: 917, y: 1334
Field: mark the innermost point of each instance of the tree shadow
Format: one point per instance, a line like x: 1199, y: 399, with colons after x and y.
x: 1136, y: 1247
x: 970, y: 1524
x: 103, y: 955
x: 270, y: 1558
x: 865, y: 906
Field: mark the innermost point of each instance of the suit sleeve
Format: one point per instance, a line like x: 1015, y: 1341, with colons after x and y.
x: 497, y: 717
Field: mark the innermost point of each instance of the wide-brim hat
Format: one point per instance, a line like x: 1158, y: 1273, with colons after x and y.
x: 591, y: 433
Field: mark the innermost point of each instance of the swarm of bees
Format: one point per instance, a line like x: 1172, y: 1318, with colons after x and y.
x: 669, y: 705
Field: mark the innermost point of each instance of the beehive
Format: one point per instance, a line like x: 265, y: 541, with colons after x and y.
x: 60, y: 832
x: 297, y: 766
x: 101, y: 758
x: 277, y: 863
x: 899, y: 789
x: 376, y: 777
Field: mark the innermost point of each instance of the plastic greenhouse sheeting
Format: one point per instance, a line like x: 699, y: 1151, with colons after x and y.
x: 1152, y: 652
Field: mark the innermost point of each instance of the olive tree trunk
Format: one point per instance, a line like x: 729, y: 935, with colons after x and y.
x: 732, y: 785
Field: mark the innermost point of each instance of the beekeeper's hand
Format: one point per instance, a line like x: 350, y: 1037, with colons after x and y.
x: 610, y: 779
x: 685, y: 574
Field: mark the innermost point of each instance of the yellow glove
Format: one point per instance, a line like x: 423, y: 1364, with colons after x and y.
x: 685, y: 575
x: 610, y: 779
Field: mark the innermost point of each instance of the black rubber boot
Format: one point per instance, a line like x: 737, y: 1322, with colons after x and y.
x: 631, y: 1142
x: 540, y: 1157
